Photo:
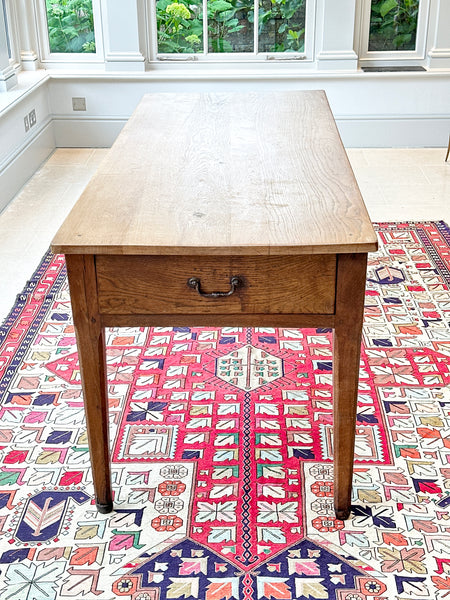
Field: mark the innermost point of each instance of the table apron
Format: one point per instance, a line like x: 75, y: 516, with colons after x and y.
x: 267, y: 285
x: 297, y: 321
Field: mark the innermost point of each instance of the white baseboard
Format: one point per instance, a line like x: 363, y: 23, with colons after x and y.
x: 394, y: 131
x: 86, y: 132
x: 23, y: 163
x: 356, y: 132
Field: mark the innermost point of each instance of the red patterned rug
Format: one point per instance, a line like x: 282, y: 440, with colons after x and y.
x: 222, y: 451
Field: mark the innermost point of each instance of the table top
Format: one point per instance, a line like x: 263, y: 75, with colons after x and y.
x: 223, y: 174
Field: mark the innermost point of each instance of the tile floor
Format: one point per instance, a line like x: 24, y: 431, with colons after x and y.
x: 397, y: 184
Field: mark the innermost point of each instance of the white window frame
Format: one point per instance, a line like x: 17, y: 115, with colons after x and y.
x: 12, y: 33
x: 395, y: 57
x: 67, y: 59
x: 234, y: 58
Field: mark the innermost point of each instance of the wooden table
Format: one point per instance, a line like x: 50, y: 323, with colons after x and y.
x: 247, y: 194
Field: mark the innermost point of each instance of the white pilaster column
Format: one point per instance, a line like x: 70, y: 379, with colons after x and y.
x: 26, y: 25
x: 335, y: 31
x: 8, y: 77
x: 439, y: 35
x: 121, y: 35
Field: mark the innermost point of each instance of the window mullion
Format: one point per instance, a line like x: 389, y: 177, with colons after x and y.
x: 256, y: 26
x: 205, y: 27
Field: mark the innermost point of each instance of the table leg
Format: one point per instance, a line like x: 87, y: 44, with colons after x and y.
x: 350, y: 289
x: 91, y: 353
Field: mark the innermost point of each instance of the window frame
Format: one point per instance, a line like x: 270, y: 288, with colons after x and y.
x: 371, y: 58
x: 234, y: 59
x: 64, y: 59
x: 8, y: 6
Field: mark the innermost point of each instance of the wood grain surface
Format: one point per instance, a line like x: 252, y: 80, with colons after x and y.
x: 270, y: 284
x: 92, y: 357
x: 350, y: 290
x: 219, y: 174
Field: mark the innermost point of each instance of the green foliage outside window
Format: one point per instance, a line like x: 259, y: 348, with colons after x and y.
x: 230, y: 26
x: 393, y: 25
x: 180, y: 26
x: 70, y: 25
x: 282, y: 25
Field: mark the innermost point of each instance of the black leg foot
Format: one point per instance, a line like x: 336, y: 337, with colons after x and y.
x: 104, y: 508
x: 342, y: 514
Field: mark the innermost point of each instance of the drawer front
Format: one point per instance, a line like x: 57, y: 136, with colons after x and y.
x: 269, y: 285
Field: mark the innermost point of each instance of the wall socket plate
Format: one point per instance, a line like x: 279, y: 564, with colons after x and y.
x: 32, y: 117
x: 79, y: 103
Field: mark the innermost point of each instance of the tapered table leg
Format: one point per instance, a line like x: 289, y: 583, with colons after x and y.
x: 350, y: 290
x: 91, y: 353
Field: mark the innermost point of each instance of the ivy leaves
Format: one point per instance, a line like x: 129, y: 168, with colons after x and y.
x: 393, y: 25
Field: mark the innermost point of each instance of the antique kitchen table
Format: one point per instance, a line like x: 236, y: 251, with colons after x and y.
x: 221, y: 209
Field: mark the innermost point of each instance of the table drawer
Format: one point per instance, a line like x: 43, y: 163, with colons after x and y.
x: 270, y: 285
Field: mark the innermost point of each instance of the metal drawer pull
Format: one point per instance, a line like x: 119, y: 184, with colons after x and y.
x: 235, y: 282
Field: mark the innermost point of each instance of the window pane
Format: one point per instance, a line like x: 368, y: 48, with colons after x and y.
x: 282, y: 25
x: 6, y: 26
x: 393, y: 25
x: 230, y: 25
x: 180, y: 26
x: 70, y: 25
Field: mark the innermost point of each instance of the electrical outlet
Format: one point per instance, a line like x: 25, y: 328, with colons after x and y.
x: 26, y: 122
x: 32, y: 117
x: 79, y: 103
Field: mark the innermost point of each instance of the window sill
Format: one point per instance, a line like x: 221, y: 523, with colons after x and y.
x: 237, y: 72
x: 27, y: 82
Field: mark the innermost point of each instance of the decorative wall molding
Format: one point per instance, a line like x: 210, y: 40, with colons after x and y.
x: 29, y: 60
x: 8, y: 78
x: 119, y: 61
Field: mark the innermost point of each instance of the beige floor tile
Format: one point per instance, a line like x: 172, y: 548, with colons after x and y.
x: 98, y: 156
x: 437, y: 174
x: 70, y: 156
x: 55, y: 174
x: 413, y: 196
x: 392, y: 174
x: 357, y: 158
x: 426, y: 156
x: 371, y: 192
x: 386, y: 157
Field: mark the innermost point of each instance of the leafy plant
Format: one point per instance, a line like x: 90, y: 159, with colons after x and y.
x: 393, y: 25
x: 282, y: 25
x: 70, y: 25
x: 180, y: 26
x: 230, y: 26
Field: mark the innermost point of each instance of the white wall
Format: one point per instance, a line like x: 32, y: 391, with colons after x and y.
x: 22, y: 152
x: 372, y: 110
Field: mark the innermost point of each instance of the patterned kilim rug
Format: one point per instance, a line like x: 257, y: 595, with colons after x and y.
x: 222, y: 447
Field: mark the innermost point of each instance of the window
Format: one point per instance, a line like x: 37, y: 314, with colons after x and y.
x: 193, y: 29
x: 8, y: 41
x: 394, y: 31
x: 9, y: 13
x: 393, y: 25
x: 70, y: 26
x: 69, y: 32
